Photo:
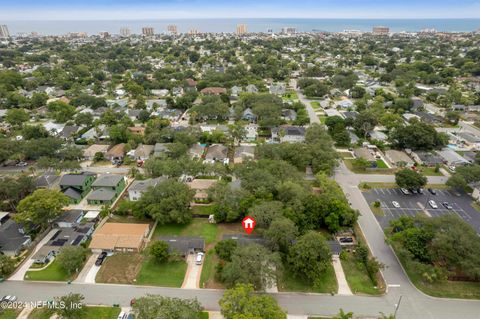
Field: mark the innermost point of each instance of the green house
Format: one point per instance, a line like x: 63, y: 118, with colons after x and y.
x: 77, y: 186
x: 106, y: 189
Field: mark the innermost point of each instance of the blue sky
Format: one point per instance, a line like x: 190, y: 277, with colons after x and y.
x: 185, y: 9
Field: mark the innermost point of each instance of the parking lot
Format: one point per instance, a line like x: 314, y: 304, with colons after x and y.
x: 413, y: 204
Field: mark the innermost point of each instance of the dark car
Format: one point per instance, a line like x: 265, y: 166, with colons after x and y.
x: 346, y: 240
x: 101, y: 258
x: 447, y: 205
x: 432, y: 191
x: 131, y: 316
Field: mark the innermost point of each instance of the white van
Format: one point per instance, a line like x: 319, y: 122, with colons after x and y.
x: 199, y: 259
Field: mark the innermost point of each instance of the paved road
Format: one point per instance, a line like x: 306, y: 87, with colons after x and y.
x: 311, y: 112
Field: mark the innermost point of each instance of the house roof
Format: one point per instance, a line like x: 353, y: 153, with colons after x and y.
x: 75, y: 179
x: 107, y: 180
x: 398, y: 156
x: 216, y: 151
x: 94, y: 149
x: 214, y: 90
x: 72, y: 193
x: 196, y: 149
x: 451, y: 156
x: 245, y: 151
x: 69, y: 130
x: 143, y: 150
x: 102, y: 194
x: 141, y: 186
x: 122, y: 235
x: 202, y: 184
x: 10, y: 237
x: 183, y: 245
x: 70, y: 216
x: 364, y: 153
x: 243, y: 239
x: 46, y: 180
x: 117, y: 150
x: 291, y: 130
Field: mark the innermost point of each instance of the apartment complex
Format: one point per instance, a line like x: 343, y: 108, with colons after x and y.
x: 289, y: 30
x: 379, y: 30
x: 172, y: 29
x: 241, y: 29
x: 148, y: 31
x: 125, y: 32
x: 4, y: 33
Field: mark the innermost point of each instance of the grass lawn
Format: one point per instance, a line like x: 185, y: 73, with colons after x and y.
x: 476, y: 206
x: 10, y: 314
x: 445, y: 289
x: 366, y: 186
x: 52, y: 273
x: 203, y: 210
x: 322, y: 119
x: 207, y: 278
x: 198, y: 227
x: 170, y: 274
x: 429, y: 171
x: 315, y: 105
x: 204, y: 315
x: 328, y: 282
x: 357, y: 276
x: 381, y: 168
x: 344, y: 155
x: 90, y: 313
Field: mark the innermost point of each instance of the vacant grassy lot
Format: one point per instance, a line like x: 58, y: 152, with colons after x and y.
x: 121, y: 268
x: 204, y: 315
x: 170, y: 274
x: 90, y: 313
x: 207, y: 278
x: 344, y: 155
x: 429, y: 171
x: 198, y: 227
x: 52, y: 273
x: 315, y: 105
x: 357, y: 276
x: 328, y: 282
x: 381, y: 168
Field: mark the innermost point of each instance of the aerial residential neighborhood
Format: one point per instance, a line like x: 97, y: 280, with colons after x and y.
x: 297, y: 174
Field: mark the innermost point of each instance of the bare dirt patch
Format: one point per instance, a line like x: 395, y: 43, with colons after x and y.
x: 121, y: 268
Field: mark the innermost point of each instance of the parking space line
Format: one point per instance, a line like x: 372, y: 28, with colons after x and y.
x: 388, y: 191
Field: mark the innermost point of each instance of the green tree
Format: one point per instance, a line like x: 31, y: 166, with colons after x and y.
x: 41, y: 207
x: 241, y: 302
x: 344, y: 315
x: 225, y: 248
x: 71, y: 258
x: 158, y: 250
x: 310, y: 256
x: 281, y: 234
x: 168, y: 202
x: 154, y: 306
x: 98, y: 157
x: 410, y: 179
x: 84, y: 119
x: 251, y: 264
x: 16, y: 117
x: 361, y: 164
x: 74, y: 307
x: 7, y: 266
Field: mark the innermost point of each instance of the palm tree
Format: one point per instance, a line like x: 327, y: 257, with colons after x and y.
x: 343, y: 315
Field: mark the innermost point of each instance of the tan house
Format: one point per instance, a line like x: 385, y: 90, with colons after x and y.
x: 116, y: 152
x: 123, y: 237
x: 242, y: 153
x: 89, y: 152
x: 214, y: 91
x: 399, y: 158
x: 201, y: 186
x: 137, y: 130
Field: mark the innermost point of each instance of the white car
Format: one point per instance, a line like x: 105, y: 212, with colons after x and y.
x: 433, y: 204
x: 199, y: 259
x: 396, y: 204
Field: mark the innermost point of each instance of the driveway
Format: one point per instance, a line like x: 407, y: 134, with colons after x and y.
x: 192, y: 277
x: 20, y: 273
x: 343, y: 288
x: 89, y: 271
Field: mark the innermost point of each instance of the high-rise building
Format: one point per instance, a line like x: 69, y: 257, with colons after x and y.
x: 4, y: 33
x: 241, y: 29
x: 193, y: 32
x: 125, y: 32
x: 148, y: 31
x: 379, y: 30
x: 289, y: 30
x: 104, y: 34
x: 172, y: 29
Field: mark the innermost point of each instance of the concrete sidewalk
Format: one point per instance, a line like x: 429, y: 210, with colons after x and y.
x: 343, y: 288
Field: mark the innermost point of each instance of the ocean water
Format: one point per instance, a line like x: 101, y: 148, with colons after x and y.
x: 229, y: 25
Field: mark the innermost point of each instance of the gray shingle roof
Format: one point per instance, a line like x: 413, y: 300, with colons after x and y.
x: 74, y: 179
x: 107, y: 180
x: 102, y: 194
x: 73, y: 193
x: 183, y: 245
x: 10, y: 237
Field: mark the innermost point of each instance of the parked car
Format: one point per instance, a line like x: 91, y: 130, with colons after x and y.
x: 122, y: 315
x: 432, y: 191
x: 199, y: 259
x: 433, y: 204
x: 131, y: 316
x: 396, y: 204
x: 404, y: 191
x: 413, y: 191
x: 420, y: 190
x: 101, y: 258
x: 346, y: 240
x: 9, y: 298
x: 447, y: 205
x: 21, y: 164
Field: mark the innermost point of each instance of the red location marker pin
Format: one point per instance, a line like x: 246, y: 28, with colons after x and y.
x: 248, y: 224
